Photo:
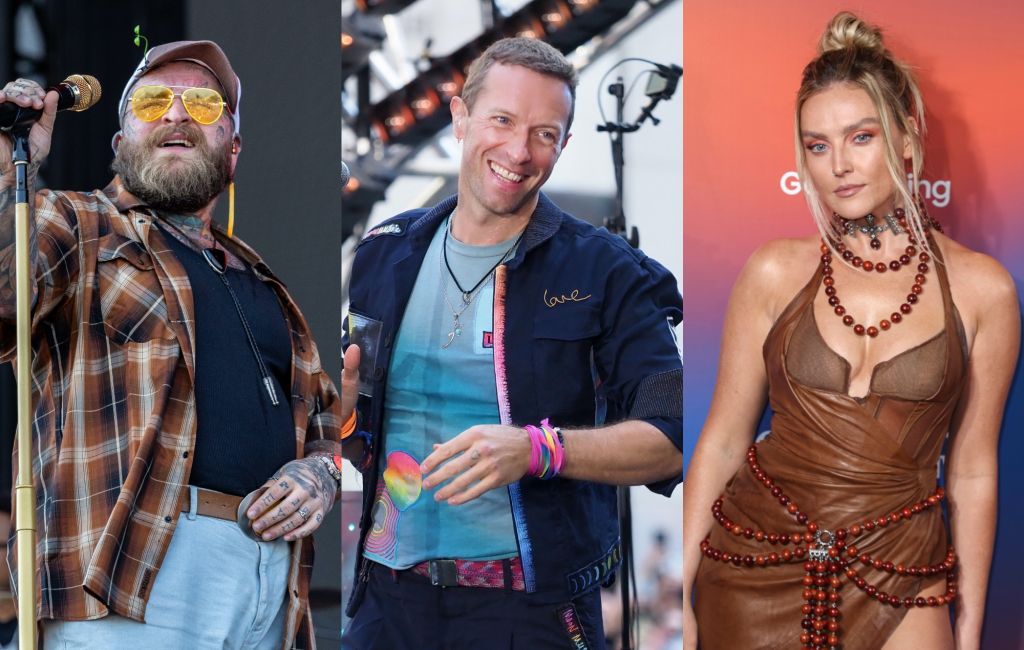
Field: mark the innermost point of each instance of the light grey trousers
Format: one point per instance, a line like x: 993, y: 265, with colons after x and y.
x: 216, y: 588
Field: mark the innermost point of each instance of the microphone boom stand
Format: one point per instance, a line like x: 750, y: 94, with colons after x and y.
x: 617, y: 223
x: 617, y: 226
x: 24, y: 489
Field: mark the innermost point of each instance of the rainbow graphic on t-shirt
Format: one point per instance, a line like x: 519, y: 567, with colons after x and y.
x: 401, y: 488
x: 403, y: 479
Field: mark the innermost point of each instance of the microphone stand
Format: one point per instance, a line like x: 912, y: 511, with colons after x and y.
x: 626, y: 532
x: 669, y: 75
x: 25, y: 498
x: 616, y: 224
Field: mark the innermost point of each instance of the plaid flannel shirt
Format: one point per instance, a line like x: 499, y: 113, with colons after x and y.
x: 114, y: 408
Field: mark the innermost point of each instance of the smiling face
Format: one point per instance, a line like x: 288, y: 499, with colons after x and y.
x: 845, y: 152
x: 513, y: 134
x: 174, y: 163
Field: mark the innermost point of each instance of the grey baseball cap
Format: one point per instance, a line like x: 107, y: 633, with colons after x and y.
x: 205, y: 53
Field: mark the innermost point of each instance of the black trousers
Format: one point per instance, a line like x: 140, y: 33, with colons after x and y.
x: 403, y: 611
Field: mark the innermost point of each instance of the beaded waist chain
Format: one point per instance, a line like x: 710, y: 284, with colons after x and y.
x: 827, y: 556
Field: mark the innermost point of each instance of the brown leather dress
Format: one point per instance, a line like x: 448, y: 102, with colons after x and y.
x: 843, y: 460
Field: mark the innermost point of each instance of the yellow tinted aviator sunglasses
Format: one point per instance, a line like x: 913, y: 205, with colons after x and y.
x: 205, y: 105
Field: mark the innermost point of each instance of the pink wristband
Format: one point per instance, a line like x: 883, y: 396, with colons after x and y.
x: 535, y: 453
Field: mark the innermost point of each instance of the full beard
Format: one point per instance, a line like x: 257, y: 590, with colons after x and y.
x: 183, y: 187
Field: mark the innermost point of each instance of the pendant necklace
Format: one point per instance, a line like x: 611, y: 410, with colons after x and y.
x: 871, y: 229
x: 457, y: 313
x: 467, y: 296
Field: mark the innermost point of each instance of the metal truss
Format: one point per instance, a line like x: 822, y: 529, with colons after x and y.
x: 394, y: 104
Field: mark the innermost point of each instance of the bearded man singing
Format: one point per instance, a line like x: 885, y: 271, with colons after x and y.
x: 172, y: 376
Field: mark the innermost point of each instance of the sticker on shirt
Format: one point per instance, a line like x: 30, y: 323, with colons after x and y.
x: 365, y: 332
x: 402, y: 486
x: 483, y: 321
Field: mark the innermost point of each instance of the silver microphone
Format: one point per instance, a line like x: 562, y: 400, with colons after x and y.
x: 345, y: 174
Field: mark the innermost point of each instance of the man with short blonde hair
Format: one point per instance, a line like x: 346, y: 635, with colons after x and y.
x: 525, y: 366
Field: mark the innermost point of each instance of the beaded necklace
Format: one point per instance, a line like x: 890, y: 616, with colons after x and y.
x: 829, y: 283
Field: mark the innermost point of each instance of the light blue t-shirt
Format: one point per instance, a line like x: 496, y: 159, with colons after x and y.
x: 433, y: 394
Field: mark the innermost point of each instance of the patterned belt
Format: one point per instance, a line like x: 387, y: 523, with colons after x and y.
x: 495, y: 574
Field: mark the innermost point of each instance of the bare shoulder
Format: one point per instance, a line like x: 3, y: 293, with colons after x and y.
x: 785, y: 255
x: 976, y: 279
x: 777, y: 270
x: 983, y: 290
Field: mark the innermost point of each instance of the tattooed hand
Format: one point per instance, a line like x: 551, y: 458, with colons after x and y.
x: 296, y: 500
x: 29, y: 94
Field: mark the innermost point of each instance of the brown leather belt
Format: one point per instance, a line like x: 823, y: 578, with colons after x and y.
x: 213, y: 504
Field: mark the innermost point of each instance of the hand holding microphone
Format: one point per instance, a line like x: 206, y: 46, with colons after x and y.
x: 24, y: 102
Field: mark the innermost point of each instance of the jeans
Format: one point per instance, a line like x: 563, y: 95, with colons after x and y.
x: 216, y: 588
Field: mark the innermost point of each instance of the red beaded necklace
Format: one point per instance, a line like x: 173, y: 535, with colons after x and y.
x: 880, y: 267
x: 833, y: 555
x: 828, y: 281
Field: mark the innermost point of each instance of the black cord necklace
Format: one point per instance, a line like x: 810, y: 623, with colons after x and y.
x: 467, y: 296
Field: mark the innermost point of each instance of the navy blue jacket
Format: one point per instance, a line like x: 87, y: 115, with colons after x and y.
x: 582, y: 335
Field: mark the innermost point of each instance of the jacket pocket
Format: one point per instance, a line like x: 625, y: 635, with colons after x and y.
x: 563, y: 342
x: 131, y: 299
x: 567, y: 323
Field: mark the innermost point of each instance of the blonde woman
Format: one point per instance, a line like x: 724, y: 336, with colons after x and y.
x: 871, y: 340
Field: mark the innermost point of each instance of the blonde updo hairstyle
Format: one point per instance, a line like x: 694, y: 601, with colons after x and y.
x: 852, y: 52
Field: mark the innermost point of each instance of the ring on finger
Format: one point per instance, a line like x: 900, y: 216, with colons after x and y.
x: 304, y: 513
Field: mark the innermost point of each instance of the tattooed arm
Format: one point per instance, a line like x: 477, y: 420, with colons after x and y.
x: 298, y: 496
x: 303, y: 491
x: 27, y: 94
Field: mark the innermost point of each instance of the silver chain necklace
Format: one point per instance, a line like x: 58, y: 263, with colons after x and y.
x: 467, y: 297
x: 457, y: 314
